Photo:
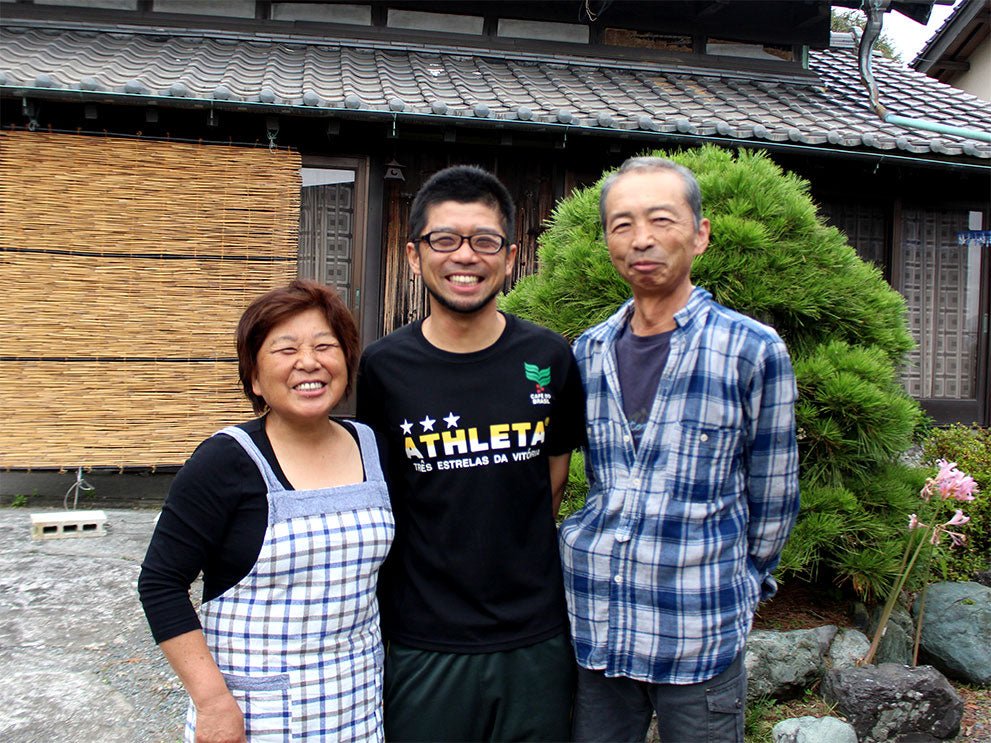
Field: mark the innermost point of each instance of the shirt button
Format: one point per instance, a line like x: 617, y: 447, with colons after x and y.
x: 626, y: 439
x: 617, y: 579
x: 635, y: 482
x: 704, y: 437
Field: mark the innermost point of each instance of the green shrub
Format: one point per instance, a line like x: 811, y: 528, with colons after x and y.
x: 577, y: 488
x: 772, y: 257
x: 854, y: 535
x: 970, y: 448
x: 847, y: 395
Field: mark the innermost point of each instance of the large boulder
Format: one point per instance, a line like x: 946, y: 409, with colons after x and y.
x: 813, y: 730
x: 783, y: 665
x: 897, y: 643
x: 956, y: 630
x: 847, y: 648
x: 891, y: 702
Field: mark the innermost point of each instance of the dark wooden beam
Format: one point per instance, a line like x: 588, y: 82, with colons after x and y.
x: 713, y: 7
x: 957, y: 65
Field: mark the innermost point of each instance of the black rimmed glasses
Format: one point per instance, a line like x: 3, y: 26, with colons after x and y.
x: 448, y: 242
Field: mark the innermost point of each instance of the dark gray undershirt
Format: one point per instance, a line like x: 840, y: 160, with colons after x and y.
x: 640, y: 360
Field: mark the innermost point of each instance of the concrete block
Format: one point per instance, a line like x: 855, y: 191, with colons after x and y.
x: 63, y: 524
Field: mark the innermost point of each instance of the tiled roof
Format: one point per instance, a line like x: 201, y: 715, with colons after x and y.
x: 828, y: 108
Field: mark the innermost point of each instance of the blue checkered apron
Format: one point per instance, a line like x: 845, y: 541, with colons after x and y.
x: 298, y: 639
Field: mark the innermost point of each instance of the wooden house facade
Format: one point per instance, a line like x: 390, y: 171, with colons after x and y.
x: 164, y: 161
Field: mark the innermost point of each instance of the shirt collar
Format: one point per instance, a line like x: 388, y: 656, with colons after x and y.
x: 609, y: 330
x: 698, y: 301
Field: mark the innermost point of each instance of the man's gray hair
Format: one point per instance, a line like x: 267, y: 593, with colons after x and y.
x: 693, y: 194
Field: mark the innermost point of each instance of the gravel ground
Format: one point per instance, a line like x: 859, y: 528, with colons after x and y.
x: 976, y: 725
x: 79, y: 662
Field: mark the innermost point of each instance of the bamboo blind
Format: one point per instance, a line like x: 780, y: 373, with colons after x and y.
x: 125, y: 265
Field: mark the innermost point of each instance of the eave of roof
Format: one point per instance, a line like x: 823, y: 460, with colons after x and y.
x: 825, y: 110
x: 968, y: 24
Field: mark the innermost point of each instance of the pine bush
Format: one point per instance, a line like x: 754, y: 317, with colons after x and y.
x: 848, y: 395
x: 576, y: 489
x: 771, y: 256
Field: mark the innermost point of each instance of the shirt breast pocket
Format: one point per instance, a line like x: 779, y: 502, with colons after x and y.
x: 700, y: 462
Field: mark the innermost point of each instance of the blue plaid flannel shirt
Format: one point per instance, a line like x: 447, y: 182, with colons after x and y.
x: 665, y: 564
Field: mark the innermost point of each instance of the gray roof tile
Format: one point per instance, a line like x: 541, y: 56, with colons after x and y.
x: 386, y: 79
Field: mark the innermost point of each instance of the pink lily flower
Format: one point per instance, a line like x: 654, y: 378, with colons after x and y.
x: 949, y: 482
x: 958, y: 519
x: 956, y: 539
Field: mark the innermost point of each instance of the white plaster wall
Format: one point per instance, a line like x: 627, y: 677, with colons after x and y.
x: 226, y: 8
x: 416, y: 20
x: 324, y: 12
x: 543, y: 30
x: 111, y: 4
x: 977, y: 80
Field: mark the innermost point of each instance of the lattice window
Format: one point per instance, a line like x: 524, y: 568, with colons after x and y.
x: 941, y: 283
x: 326, y: 229
x: 864, y: 226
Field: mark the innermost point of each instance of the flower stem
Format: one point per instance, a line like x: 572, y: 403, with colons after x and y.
x: 918, y: 624
x: 904, y: 570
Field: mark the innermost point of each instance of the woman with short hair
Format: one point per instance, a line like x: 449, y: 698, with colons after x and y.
x: 288, y: 518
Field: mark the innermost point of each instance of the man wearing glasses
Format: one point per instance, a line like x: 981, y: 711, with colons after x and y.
x: 480, y: 411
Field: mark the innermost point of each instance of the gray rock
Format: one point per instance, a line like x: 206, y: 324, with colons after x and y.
x: 899, y: 637
x: 652, y: 735
x: 861, y: 618
x: 782, y: 665
x: 956, y: 627
x: 813, y: 730
x: 825, y: 635
x: 848, y: 647
x: 892, y: 702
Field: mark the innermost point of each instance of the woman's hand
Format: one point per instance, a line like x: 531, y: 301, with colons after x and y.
x: 218, y: 717
x: 220, y: 720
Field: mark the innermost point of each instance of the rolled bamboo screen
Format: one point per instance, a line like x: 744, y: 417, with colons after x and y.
x: 124, y: 266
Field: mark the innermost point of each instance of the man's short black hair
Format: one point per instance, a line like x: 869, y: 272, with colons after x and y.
x: 465, y: 184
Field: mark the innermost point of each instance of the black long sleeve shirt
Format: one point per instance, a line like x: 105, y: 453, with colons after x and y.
x: 213, y: 521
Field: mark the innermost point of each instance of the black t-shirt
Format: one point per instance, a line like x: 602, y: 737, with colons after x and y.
x: 214, y: 520
x: 475, y: 564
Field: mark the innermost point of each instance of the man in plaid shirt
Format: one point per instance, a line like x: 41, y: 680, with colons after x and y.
x: 693, y: 472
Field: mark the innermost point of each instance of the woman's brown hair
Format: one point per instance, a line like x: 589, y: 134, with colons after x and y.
x: 280, y: 304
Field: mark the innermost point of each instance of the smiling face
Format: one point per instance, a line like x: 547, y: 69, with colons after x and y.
x: 651, y: 233
x: 301, y: 372
x: 464, y: 281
